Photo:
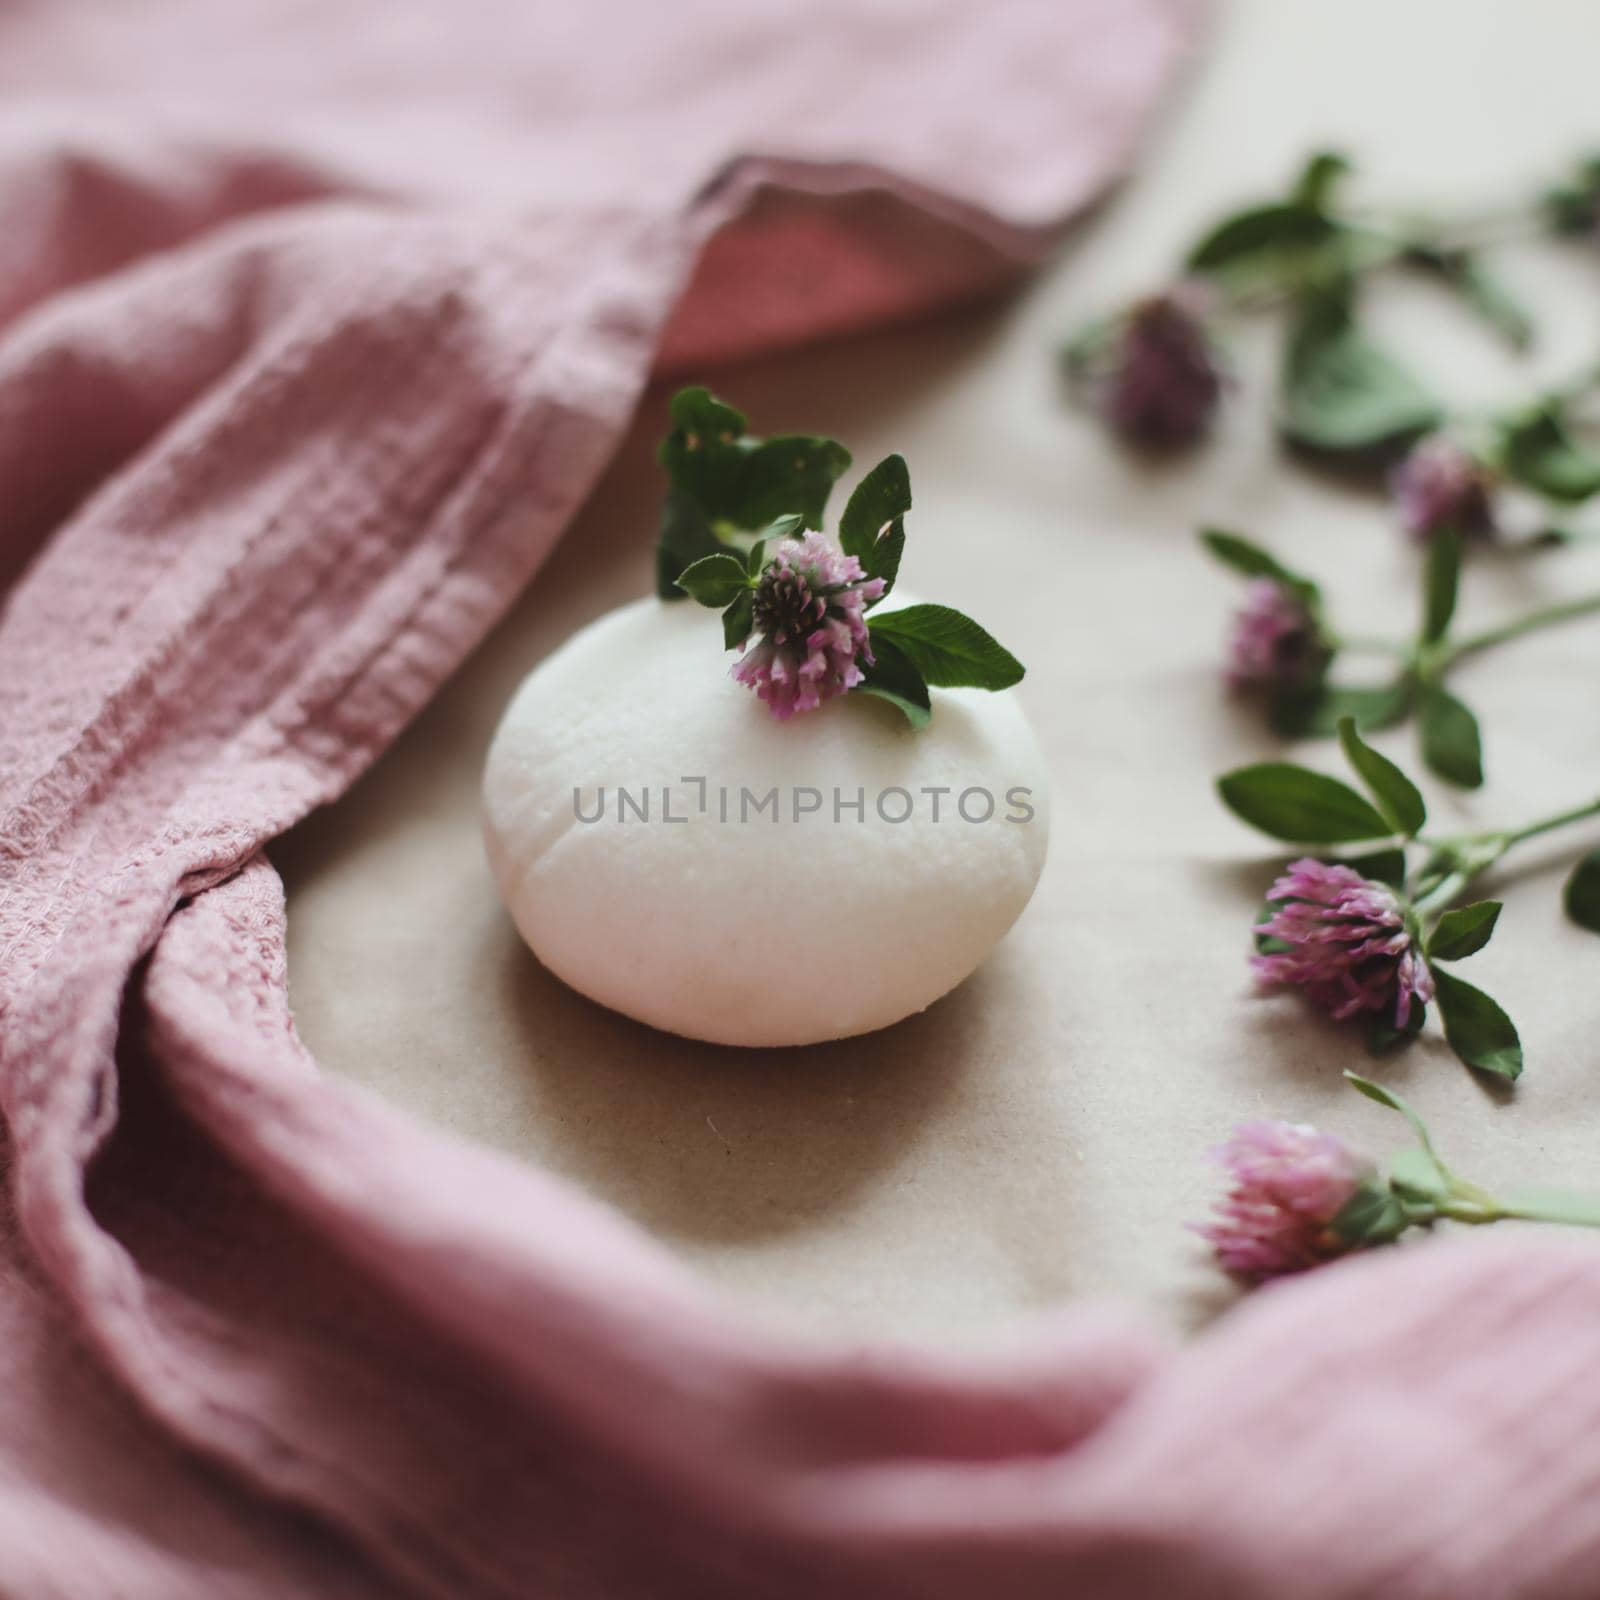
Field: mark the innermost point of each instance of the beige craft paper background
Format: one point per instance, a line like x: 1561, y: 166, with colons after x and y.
x: 1039, y: 1135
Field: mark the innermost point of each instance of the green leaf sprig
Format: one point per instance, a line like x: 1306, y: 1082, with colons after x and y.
x: 1419, y: 1190
x: 724, y: 482
x: 1342, y: 395
x: 1280, y: 251
x: 735, y: 499
x: 1300, y: 806
x: 1449, y: 735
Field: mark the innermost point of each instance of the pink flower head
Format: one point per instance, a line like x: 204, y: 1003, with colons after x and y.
x: 1349, y: 944
x: 1163, y: 379
x: 1289, y: 1182
x: 1439, y: 485
x: 809, y: 619
x: 1276, y: 641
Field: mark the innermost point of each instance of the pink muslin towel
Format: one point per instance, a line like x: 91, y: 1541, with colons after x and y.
x: 317, y: 322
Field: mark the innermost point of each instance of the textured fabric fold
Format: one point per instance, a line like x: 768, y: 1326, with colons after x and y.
x: 317, y: 328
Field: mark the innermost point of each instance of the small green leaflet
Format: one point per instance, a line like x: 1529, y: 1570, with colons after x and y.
x: 1537, y: 450
x: 1492, y: 300
x: 700, y: 421
x: 715, y: 580
x: 1260, y: 237
x: 1476, y: 1028
x: 1251, y: 561
x: 1581, y: 897
x: 1318, y: 713
x: 1464, y: 272
x: 1396, y: 795
x: 1451, y: 744
x: 1282, y: 239
x: 737, y: 621
x: 1340, y: 393
x: 892, y: 677
x: 873, y: 526
x: 723, y: 479
x: 1372, y: 1215
x: 949, y: 649
x: 683, y: 536
x: 1387, y: 1097
x: 1464, y: 931
x: 1319, y: 177
x: 1441, y: 584
x: 1300, y: 806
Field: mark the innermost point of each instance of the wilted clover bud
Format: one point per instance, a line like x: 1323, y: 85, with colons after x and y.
x: 1440, y: 486
x: 1154, y: 371
x: 1277, y: 642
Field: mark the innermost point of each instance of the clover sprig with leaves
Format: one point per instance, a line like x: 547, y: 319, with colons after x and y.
x: 1379, y: 922
x: 741, y: 532
x: 1299, y: 1196
x: 1295, y: 673
x: 1341, y: 394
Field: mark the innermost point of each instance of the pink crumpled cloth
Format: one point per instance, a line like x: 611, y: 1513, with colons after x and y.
x: 317, y: 322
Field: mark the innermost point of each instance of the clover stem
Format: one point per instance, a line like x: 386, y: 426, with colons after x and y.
x: 1369, y: 645
x: 1440, y: 896
x: 1544, y: 617
x: 1467, y: 858
x: 1580, y: 1210
x: 1473, y: 1212
x: 1549, y: 824
x: 1477, y: 1208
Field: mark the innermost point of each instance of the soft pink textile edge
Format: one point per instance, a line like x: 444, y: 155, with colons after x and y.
x: 249, y: 674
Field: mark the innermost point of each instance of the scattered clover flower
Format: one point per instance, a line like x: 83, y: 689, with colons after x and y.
x: 1347, y: 941
x: 1282, y: 642
x: 809, y: 615
x: 1378, y: 936
x: 1438, y: 486
x: 1288, y: 1182
x: 741, y: 532
x: 1157, y: 378
x: 1298, y: 1197
x: 1277, y: 641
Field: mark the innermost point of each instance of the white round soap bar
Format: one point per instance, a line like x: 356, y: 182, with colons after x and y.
x: 670, y: 850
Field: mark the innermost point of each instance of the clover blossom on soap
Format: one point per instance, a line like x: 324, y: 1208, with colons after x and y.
x: 740, y: 533
x: 1158, y: 378
x: 1288, y: 1183
x: 809, y: 625
x: 1277, y: 641
x: 1440, y: 485
x: 1348, y: 943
